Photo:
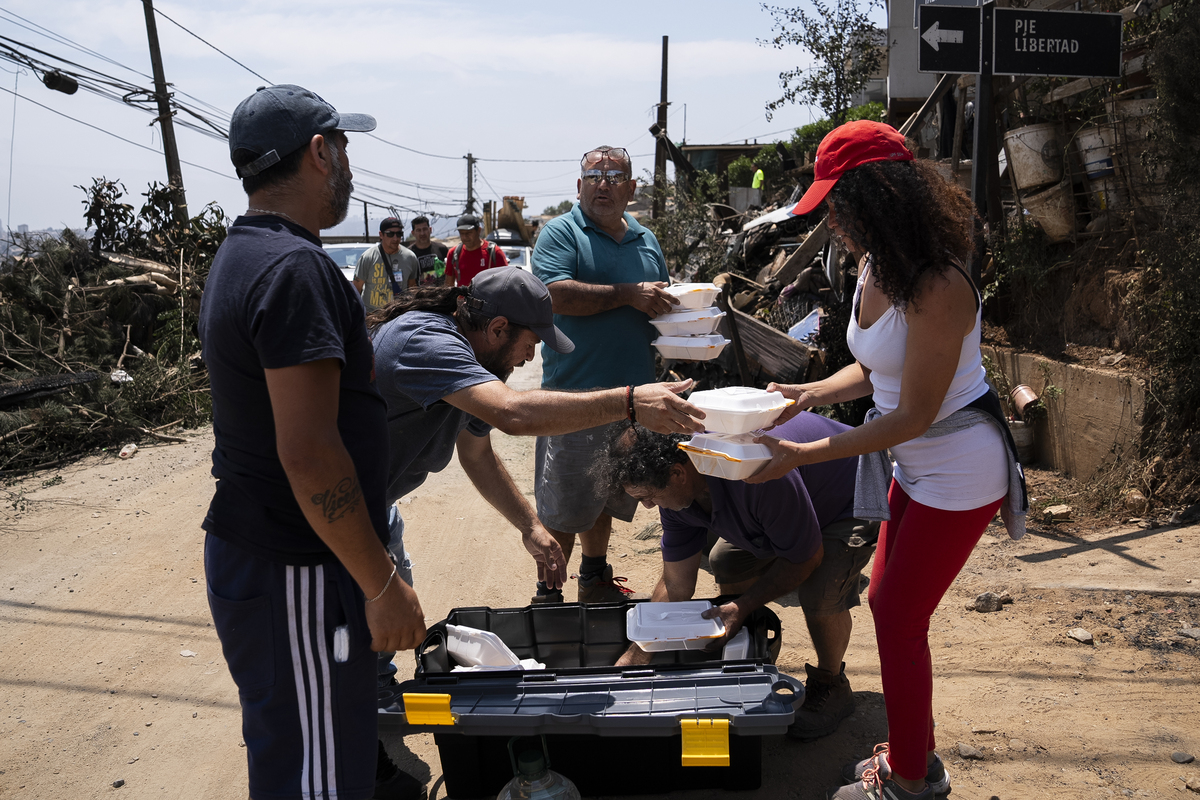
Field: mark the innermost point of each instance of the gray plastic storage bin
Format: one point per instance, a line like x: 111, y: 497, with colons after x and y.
x: 685, y: 721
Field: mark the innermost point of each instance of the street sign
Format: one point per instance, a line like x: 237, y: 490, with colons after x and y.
x: 919, y: 3
x: 1066, y: 44
x: 951, y: 39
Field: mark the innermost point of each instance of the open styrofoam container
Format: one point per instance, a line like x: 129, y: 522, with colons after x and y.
x: 694, y: 295
x: 739, y: 409
x: 721, y: 455
x: 692, y: 322
x: 472, y: 647
x: 672, y: 626
x: 691, y: 348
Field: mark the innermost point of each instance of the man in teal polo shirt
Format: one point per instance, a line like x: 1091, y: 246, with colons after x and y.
x: 607, y: 279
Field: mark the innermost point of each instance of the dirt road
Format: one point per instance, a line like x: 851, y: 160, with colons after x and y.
x: 111, y: 671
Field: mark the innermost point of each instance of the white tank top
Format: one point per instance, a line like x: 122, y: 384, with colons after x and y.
x: 957, y: 472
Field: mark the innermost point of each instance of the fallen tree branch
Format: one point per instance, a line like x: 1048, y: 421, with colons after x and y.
x: 11, y: 434
x: 162, y: 436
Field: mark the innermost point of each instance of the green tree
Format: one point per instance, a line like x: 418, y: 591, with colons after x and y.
x: 558, y: 210
x: 808, y: 137
x: 844, y: 44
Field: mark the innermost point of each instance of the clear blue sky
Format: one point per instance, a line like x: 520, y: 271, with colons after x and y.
x: 531, y: 80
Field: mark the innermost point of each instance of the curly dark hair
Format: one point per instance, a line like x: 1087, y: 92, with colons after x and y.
x: 638, y: 457
x: 908, y: 218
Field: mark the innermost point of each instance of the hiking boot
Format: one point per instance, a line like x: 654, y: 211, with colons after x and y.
x: 828, y: 700
x: 603, y: 588
x: 393, y: 783
x: 936, y: 776
x: 554, y: 596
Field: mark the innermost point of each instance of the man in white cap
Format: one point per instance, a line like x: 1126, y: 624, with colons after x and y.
x: 300, y: 584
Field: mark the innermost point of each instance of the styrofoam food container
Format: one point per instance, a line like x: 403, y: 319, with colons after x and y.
x: 693, y: 322
x: 694, y: 295
x: 691, y: 348
x: 472, y: 647
x: 721, y: 455
x: 738, y: 647
x: 672, y: 626
x: 739, y: 409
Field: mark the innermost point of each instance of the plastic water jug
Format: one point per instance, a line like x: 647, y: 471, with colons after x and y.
x: 535, y: 781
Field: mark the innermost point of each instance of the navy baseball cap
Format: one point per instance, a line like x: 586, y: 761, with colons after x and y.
x: 522, y: 299
x: 278, y: 120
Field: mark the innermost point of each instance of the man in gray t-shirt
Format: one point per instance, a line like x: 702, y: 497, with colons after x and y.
x: 441, y: 361
x: 371, y: 276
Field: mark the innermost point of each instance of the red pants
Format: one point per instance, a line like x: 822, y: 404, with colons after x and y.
x: 920, y: 552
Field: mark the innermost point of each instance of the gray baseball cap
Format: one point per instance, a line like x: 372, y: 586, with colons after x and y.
x: 278, y: 120
x: 522, y: 299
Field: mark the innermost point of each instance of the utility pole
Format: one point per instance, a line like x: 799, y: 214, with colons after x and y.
x: 470, y: 183
x: 660, y: 147
x: 165, y: 119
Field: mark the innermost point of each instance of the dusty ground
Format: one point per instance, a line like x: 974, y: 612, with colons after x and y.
x: 111, y: 670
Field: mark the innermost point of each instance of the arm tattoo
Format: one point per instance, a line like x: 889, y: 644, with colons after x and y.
x: 339, y: 501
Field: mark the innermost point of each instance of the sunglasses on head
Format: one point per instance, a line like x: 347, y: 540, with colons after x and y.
x: 614, y: 177
x: 612, y: 153
x: 392, y: 234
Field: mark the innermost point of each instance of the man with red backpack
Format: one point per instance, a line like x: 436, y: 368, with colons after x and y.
x: 473, y: 256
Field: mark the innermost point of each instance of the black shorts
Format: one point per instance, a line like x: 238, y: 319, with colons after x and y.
x: 308, y: 720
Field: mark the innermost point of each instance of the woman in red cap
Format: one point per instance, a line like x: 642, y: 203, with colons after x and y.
x: 914, y: 333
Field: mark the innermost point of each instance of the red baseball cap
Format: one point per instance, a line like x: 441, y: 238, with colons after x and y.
x: 845, y: 148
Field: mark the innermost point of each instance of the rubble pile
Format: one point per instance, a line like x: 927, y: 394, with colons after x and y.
x: 98, y: 343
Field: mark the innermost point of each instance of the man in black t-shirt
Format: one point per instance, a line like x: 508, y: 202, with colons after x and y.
x: 427, y: 252
x: 296, y: 528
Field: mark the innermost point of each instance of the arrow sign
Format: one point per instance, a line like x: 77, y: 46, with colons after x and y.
x: 960, y: 29
x: 935, y: 36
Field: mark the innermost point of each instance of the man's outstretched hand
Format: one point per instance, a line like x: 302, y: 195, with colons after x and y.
x: 659, y: 408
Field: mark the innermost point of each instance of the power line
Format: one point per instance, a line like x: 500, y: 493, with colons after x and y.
x: 210, y: 44
x: 115, y: 136
x: 49, y: 34
x: 413, y: 150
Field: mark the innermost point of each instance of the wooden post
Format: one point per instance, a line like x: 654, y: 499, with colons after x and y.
x: 660, y: 149
x: 165, y: 118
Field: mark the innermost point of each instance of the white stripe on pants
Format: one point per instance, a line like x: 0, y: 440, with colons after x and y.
x: 310, y: 666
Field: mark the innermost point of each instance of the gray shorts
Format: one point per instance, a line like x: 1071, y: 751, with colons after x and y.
x: 832, y: 588
x: 568, y: 499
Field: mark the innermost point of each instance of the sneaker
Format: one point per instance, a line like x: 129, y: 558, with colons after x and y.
x: 393, y: 783
x: 828, y: 700
x: 873, y: 787
x: 555, y: 596
x: 937, y: 777
x: 603, y: 588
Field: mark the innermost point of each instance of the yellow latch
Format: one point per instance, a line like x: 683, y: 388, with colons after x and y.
x: 705, y: 742
x: 428, y: 709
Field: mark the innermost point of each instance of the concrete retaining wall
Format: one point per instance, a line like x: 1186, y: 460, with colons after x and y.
x: 1096, y: 419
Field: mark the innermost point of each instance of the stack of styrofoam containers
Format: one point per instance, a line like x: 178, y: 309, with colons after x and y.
x: 727, y: 448
x: 689, y: 333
